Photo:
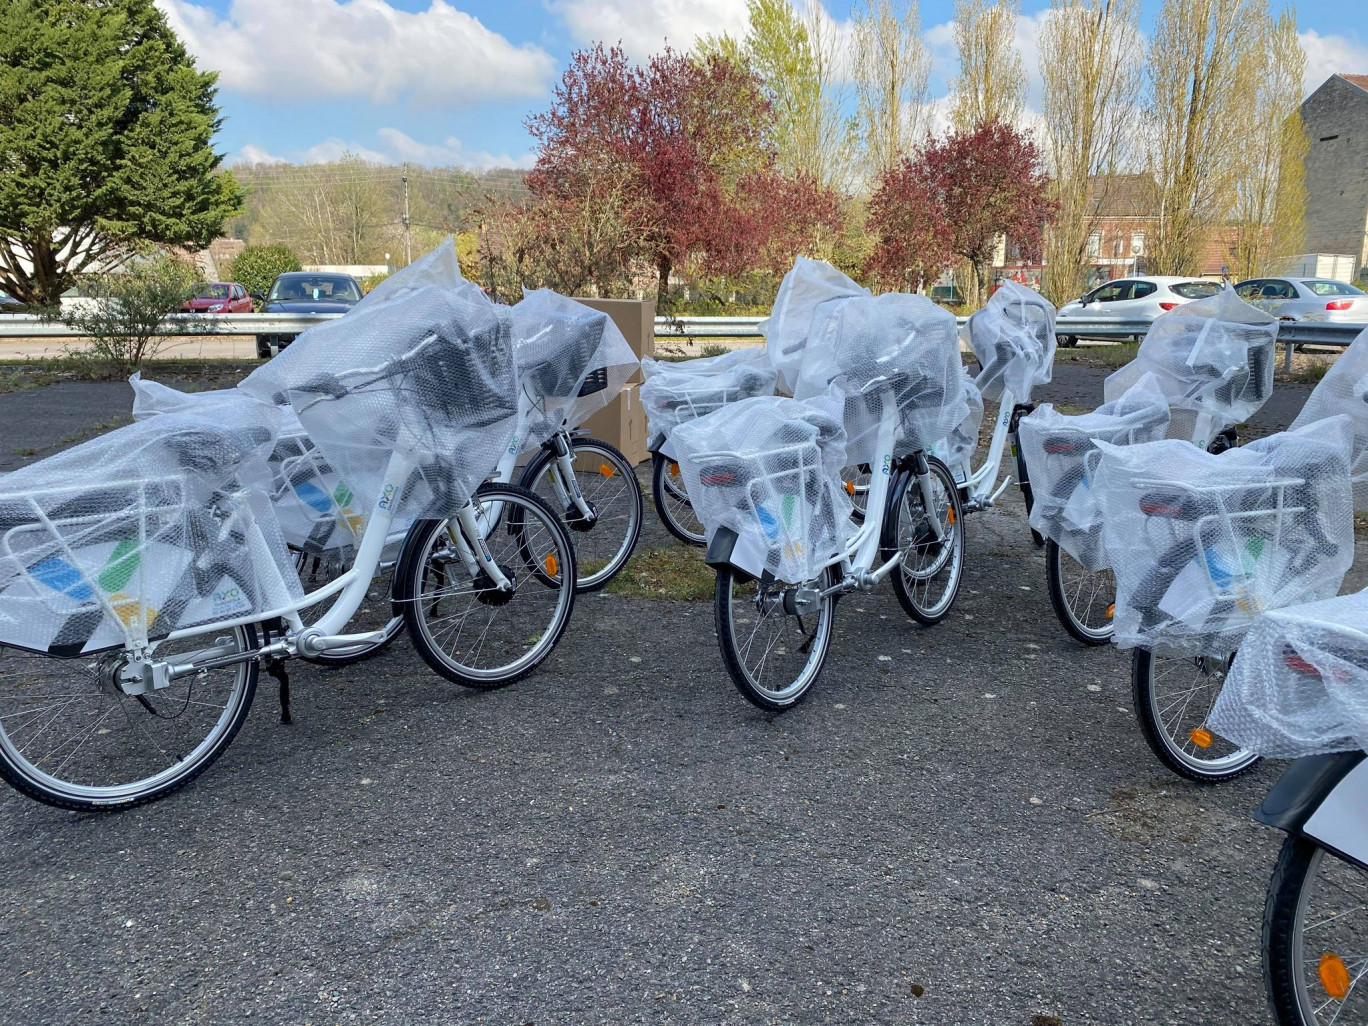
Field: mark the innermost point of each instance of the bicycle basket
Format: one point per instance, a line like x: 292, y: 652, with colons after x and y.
x: 1013, y: 338
x: 1299, y: 685
x: 768, y: 469
x: 682, y: 393
x: 1202, y: 544
x: 1061, y: 460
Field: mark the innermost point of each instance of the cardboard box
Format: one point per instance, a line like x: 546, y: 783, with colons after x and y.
x: 622, y: 423
x: 635, y: 319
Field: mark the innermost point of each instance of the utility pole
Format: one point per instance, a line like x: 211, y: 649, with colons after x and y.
x: 408, y: 237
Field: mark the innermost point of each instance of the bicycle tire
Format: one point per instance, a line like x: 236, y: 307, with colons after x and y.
x: 28, y: 779
x: 537, y: 466
x: 419, y: 562
x: 667, y: 505
x: 1171, y: 752
x: 909, y: 597
x: 1064, y: 604
x: 735, y: 653
x: 1301, y: 862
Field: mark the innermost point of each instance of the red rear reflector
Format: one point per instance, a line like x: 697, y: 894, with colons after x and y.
x: 717, y: 479
x: 1159, y: 509
x: 1296, y: 662
x: 1339, y: 304
x: 1169, y: 306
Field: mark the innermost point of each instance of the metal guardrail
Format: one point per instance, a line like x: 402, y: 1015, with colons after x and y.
x: 1291, y: 333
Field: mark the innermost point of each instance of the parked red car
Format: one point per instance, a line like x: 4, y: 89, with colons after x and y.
x: 218, y: 297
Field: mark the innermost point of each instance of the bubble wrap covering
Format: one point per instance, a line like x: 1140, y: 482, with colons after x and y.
x: 769, y: 469
x: 1202, y: 544
x: 1013, y: 337
x: 425, y: 368
x: 571, y: 362
x: 1344, y: 390
x: 958, y: 447
x: 807, y: 285
x: 1213, y: 356
x: 142, y: 531
x: 313, y: 505
x: 676, y: 393
x: 896, y: 348
x: 1299, y: 685
x: 1061, y: 460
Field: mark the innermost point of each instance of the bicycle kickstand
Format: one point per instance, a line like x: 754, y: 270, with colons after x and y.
x: 276, y: 668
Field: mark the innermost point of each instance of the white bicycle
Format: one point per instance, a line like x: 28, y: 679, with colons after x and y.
x: 85, y: 724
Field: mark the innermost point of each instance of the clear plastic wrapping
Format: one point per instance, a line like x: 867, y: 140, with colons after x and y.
x: 958, y: 447
x: 676, y: 393
x: 1061, y: 460
x: 571, y: 362
x: 142, y: 531
x: 1013, y: 338
x: 1299, y: 685
x: 1344, y: 390
x: 1212, y: 356
x: 424, y: 369
x: 1202, y: 544
x: 807, y: 285
x: 314, y: 507
x: 894, y: 348
x: 769, y: 469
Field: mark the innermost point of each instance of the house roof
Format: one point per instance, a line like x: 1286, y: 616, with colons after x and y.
x: 1359, y: 80
x: 1124, y: 196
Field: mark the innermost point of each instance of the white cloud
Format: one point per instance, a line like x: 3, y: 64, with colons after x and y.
x: 450, y: 152
x: 362, y: 49
x: 1330, y: 55
x: 395, y: 147
x: 645, y: 26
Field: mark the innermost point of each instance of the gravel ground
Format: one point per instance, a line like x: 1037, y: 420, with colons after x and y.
x: 970, y: 831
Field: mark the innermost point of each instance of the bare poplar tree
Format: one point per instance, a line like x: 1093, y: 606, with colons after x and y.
x: 1091, y: 60
x: 891, y: 68
x: 1270, y: 190
x: 827, y: 134
x: 1202, y: 69
x: 991, y: 84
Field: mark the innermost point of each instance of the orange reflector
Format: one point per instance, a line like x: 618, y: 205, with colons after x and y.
x: 606, y: 470
x: 551, y: 564
x: 674, y: 469
x: 950, y: 512
x: 850, y: 487
x: 1200, y: 736
x: 1111, y: 610
x: 1334, y: 976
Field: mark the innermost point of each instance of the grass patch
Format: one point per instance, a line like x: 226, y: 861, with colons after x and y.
x: 187, y: 375
x: 1117, y: 355
x: 676, y: 572
x: 1308, y: 371
x: 1361, y: 525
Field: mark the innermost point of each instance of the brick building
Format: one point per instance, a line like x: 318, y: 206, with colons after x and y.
x: 1336, y: 117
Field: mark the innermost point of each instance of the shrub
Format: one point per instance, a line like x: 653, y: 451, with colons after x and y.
x: 256, y: 267
x: 122, y: 312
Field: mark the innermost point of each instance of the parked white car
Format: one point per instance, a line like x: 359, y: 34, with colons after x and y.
x: 1131, y: 299
x: 1306, y: 299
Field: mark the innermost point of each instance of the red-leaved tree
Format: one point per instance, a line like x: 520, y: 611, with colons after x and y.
x: 686, y: 145
x: 959, y: 196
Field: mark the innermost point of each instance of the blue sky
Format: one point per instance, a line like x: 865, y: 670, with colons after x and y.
x: 443, y: 82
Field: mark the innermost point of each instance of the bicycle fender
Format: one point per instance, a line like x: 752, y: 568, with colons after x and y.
x: 897, y: 489
x: 1324, y: 798
x: 720, y: 547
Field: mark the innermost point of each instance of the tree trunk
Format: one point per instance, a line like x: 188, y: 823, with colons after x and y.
x: 980, y: 268
x: 663, y: 268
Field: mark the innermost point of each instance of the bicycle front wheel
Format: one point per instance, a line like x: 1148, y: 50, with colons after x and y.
x: 609, y: 484
x: 672, y: 502
x: 1315, y: 937
x: 928, y: 577
x: 378, y: 610
x: 1173, y: 697
x: 72, y: 737
x: 1083, y: 599
x: 773, y: 654
x: 463, y: 625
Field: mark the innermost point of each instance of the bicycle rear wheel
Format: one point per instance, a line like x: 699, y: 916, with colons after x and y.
x: 1315, y: 937
x: 1083, y: 599
x: 463, y: 626
x: 672, y: 502
x: 928, y: 578
x: 1173, y: 697
x: 71, y: 737
x: 609, y: 484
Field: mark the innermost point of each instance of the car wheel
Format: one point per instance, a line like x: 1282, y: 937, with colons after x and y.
x: 1068, y: 341
x: 263, y: 349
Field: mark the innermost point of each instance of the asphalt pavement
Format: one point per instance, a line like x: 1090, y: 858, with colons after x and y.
x: 961, y: 825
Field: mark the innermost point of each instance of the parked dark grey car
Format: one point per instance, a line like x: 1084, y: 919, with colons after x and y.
x: 305, y: 292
